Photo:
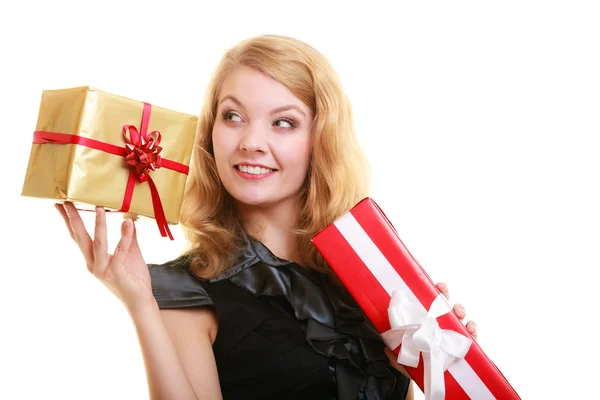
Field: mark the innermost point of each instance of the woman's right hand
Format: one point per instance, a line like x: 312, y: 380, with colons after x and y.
x: 125, y: 273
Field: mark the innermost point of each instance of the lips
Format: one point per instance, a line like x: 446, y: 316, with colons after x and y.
x: 253, y: 171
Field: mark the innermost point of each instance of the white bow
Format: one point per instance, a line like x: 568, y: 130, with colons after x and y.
x: 419, y: 332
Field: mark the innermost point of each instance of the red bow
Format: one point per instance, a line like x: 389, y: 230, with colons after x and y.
x: 142, y: 151
x: 142, y: 155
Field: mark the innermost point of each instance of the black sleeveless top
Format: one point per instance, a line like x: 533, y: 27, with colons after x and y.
x: 284, y: 331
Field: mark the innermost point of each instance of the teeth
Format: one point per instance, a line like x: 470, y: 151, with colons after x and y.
x: 254, y: 170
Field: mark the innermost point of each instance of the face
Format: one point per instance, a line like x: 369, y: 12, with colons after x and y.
x: 261, y: 139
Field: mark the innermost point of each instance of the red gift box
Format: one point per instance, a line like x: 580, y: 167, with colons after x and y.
x: 415, y: 320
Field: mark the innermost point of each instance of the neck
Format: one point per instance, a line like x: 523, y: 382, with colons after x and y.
x: 274, y: 226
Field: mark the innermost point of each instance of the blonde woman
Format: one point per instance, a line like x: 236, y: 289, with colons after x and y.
x: 251, y: 310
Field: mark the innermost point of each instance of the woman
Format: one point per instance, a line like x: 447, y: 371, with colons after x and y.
x: 251, y: 310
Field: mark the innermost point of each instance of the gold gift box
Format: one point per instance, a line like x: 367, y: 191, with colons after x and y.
x: 90, y: 177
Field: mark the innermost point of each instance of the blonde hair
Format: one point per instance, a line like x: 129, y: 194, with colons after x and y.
x: 338, y: 175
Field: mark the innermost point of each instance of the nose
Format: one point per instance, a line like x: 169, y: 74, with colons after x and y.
x: 253, y: 139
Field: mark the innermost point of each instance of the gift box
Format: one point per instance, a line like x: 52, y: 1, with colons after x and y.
x: 404, y: 305
x: 95, y: 148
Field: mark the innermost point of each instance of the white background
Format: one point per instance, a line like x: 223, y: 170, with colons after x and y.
x: 481, y: 122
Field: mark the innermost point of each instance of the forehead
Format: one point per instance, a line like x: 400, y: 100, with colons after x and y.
x: 257, y: 91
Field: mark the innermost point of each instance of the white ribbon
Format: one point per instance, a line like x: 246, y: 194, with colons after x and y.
x: 419, y: 333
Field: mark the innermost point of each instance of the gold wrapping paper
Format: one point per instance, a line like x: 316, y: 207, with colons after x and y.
x: 91, y: 177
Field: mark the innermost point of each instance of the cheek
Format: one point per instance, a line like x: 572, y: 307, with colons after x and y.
x: 299, y: 156
x: 304, y: 152
x: 221, y: 145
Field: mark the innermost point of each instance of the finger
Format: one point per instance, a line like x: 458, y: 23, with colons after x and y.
x: 442, y: 287
x: 100, y: 245
x: 124, y: 244
x: 135, y: 247
x: 65, y: 217
x: 80, y: 234
x: 459, y: 310
x: 472, y: 328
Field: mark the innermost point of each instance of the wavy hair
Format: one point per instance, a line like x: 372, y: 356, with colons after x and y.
x: 338, y: 175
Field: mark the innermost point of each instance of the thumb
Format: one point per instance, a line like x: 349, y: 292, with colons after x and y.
x: 394, y: 363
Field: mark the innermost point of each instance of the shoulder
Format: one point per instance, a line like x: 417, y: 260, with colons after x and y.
x: 174, y: 286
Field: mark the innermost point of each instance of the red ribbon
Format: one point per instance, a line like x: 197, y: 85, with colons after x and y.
x: 141, y: 153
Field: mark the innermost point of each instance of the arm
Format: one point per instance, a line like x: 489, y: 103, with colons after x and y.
x: 177, y: 350
x: 410, y: 395
x: 176, y: 344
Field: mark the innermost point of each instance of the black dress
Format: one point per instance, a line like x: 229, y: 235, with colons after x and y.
x: 284, y: 332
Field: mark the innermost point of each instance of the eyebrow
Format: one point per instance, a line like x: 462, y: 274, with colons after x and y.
x: 275, y: 111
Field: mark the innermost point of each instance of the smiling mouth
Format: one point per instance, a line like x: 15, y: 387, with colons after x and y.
x: 254, y: 170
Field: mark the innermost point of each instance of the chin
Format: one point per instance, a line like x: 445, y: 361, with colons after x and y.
x: 255, y: 201
x: 261, y: 199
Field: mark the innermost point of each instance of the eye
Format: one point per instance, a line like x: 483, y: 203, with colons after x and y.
x: 285, y: 123
x: 230, y: 116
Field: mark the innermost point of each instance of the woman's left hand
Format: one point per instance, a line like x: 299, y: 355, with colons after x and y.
x: 460, y: 312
